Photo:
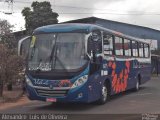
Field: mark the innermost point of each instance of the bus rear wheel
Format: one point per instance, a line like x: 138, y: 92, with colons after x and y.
x: 137, y: 85
x: 105, y: 94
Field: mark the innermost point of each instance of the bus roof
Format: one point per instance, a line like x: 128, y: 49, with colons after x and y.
x: 62, y: 28
x: 80, y: 28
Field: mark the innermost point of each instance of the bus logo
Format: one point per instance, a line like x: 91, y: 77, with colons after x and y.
x: 51, y: 87
x: 41, y: 82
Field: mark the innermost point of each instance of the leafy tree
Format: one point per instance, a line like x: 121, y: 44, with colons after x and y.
x: 40, y: 15
x: 11, y: 65
x: 6, y: 35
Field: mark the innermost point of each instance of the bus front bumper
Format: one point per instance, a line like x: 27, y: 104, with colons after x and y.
x: 73, y: 95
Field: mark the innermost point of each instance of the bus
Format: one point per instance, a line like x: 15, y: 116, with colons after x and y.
x: 75, y: 62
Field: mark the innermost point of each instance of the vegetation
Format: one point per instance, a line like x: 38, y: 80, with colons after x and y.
x: 11, y: 65
x: 40, y: 15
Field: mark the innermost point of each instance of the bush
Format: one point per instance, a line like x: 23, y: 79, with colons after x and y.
x: 11, y: 65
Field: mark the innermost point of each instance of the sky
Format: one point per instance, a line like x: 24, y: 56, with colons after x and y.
x: 138, y: 12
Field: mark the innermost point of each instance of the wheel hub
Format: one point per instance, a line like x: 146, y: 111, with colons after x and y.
x: 104, y: 93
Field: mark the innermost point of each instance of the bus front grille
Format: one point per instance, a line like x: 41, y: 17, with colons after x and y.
x: 51, y: 93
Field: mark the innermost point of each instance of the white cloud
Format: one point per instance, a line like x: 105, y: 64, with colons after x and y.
x: 16, y: 20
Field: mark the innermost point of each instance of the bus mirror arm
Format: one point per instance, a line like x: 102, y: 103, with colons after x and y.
x: 96, y: 59
x: 93, y: 57
x: 95, y: 64
x: 21, y: 45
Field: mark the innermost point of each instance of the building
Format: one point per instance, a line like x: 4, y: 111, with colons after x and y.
x: 20, y: 34
x: 155, y: 61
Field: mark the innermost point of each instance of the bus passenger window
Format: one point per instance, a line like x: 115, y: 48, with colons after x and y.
x: 118, y: 46
x: 146, y: 50
x: 140, y: 49
x: 135, y: 48
x: 108, y: 44
x: 127, y: 47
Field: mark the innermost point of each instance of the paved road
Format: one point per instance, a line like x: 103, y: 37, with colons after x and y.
x: 146, y: 100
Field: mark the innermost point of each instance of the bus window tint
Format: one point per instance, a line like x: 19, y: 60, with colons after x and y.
x: 127, y: 47
x: 135, y: 48
x: 108, y: 44
x: 146, y: 50
x: 118, y: 46
x: 140, y: 49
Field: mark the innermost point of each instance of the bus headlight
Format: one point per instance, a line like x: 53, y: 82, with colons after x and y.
x: 80, y: 81
x: 28, y: 81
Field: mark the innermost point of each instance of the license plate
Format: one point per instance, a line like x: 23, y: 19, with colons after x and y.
x: 51, y: 100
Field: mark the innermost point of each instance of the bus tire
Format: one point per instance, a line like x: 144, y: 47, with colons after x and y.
x: 105, y: 94
x: 137, y: 85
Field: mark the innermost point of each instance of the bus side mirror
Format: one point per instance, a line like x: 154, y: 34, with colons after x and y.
x: 23, y: 46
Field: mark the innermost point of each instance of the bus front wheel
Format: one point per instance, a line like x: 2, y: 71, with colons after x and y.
x: 105, y: 94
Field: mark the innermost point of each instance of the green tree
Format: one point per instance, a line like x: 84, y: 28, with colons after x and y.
x: 6, y: 35
x: 11, y: 65
x: 40, y: 15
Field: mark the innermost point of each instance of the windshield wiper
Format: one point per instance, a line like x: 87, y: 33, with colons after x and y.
x: 61, y: 63
x: 38, y: 66
x: 52, y: 56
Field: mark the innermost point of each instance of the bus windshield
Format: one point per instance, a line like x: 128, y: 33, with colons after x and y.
x: 57, y: 51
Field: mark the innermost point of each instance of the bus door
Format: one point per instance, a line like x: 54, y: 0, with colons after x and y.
x: 95, y: 51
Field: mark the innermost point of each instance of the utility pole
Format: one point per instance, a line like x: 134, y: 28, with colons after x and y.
x: 10, y: 7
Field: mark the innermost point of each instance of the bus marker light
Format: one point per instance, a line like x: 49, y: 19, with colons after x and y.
x: 80, y: 95
x: 51, y: 100
x: 90, y: 87
x: 104, y: 72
